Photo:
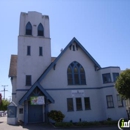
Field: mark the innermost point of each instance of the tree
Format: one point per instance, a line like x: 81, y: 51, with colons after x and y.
x: 123, y: 84
x: 4, y: 104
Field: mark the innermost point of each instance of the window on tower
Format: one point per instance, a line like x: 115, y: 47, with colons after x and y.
x: 40, y: 51
x: 28, y: 50
x: 28, y: 80
x: 28, y: 29
x: 40, y: 30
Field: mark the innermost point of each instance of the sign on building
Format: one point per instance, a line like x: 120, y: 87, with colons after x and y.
x: 77, y: 93
x: 37, y: 100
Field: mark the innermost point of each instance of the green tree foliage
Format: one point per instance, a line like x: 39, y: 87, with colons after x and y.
x: 123, y: 84
x: 57, y: 116
x: 4, y: 104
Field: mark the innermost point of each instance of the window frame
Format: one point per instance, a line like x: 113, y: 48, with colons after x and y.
x: 72, y: 104
x: 119, y: 101
x: 76, y: 77
x: 40, y: 32
x: 20, y: 110
x: 28, y: 80
x: 109, y: 102
x: 28, y: 29
x: 106, y: 74
x: 40, y: 51
x: 80, y: 103
x: 87, y: 103
x: 115, y: 76
x: 28, y: 50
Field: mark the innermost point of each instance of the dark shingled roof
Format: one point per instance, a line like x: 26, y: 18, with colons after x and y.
x: 13, y: 66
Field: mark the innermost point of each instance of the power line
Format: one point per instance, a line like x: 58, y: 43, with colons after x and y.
x: 4, y: 90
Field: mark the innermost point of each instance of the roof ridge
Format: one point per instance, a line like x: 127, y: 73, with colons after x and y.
x: 58, y: 57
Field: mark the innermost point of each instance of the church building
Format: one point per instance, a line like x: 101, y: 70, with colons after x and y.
x: 73, y: 82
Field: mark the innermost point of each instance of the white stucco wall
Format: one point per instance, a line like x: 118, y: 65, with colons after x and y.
x: 58, y: 78
x: 33, y: 64
x: 14, y: 86
x: 14, y: 83
x: 94, y: 114
x: 114, y: 113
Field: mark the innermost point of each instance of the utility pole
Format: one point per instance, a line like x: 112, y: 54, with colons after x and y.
x: 4, y: 89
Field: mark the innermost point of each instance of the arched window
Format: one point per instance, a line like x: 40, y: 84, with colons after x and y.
x: 76, y: 74
x: 40, y: 30
x: 28, y: 29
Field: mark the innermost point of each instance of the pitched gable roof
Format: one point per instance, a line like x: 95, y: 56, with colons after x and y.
x: 74, y: 40
x: 27, y: 94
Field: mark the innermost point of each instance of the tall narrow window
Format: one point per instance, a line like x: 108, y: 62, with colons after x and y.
x: 87, y: 103
x: 78, y: 104
x: 82, y: 76
x: 40, y: 51
x: 28, y: 80
x: 28, y: 29
x: 20, y: 110
x: 110, y: 103
x: 119, y: 101
x: 70, y: 106
x: 73, y: 47
x: 76, y: 74
x: 115, y: 76
x: 70, y: 78
x: 28, y: 50
x: 40, y: 30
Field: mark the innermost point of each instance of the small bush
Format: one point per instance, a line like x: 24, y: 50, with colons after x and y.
x: 57, y: 116
x: 110, y: 122
x: 109, y: 119
x: 63, y: 124
x: 88, y: 123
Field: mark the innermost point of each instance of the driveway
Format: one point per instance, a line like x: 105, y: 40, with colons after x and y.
x: 5, y: 126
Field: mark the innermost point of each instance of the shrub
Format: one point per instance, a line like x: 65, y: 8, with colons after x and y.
x: 63, y: 124
x: 85, y: 123
x: 109, y: 119
x: 57, y: 116
x: 110, y: 122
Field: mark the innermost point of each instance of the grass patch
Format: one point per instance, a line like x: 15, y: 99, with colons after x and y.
x: 82, y: 124
x: 85, y: 124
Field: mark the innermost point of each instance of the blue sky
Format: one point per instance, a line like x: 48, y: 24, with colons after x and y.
x: 101, y: 26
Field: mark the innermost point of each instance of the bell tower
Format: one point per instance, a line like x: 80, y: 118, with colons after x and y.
x: 34, y: 48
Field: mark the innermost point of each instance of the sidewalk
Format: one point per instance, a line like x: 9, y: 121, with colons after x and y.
x: 5, y: 126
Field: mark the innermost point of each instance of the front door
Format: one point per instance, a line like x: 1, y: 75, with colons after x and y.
x: 35, y: 113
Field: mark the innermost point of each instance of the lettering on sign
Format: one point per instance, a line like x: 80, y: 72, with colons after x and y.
x: 77, y: 93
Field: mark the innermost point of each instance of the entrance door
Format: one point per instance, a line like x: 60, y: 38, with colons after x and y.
x: 35, y: 113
